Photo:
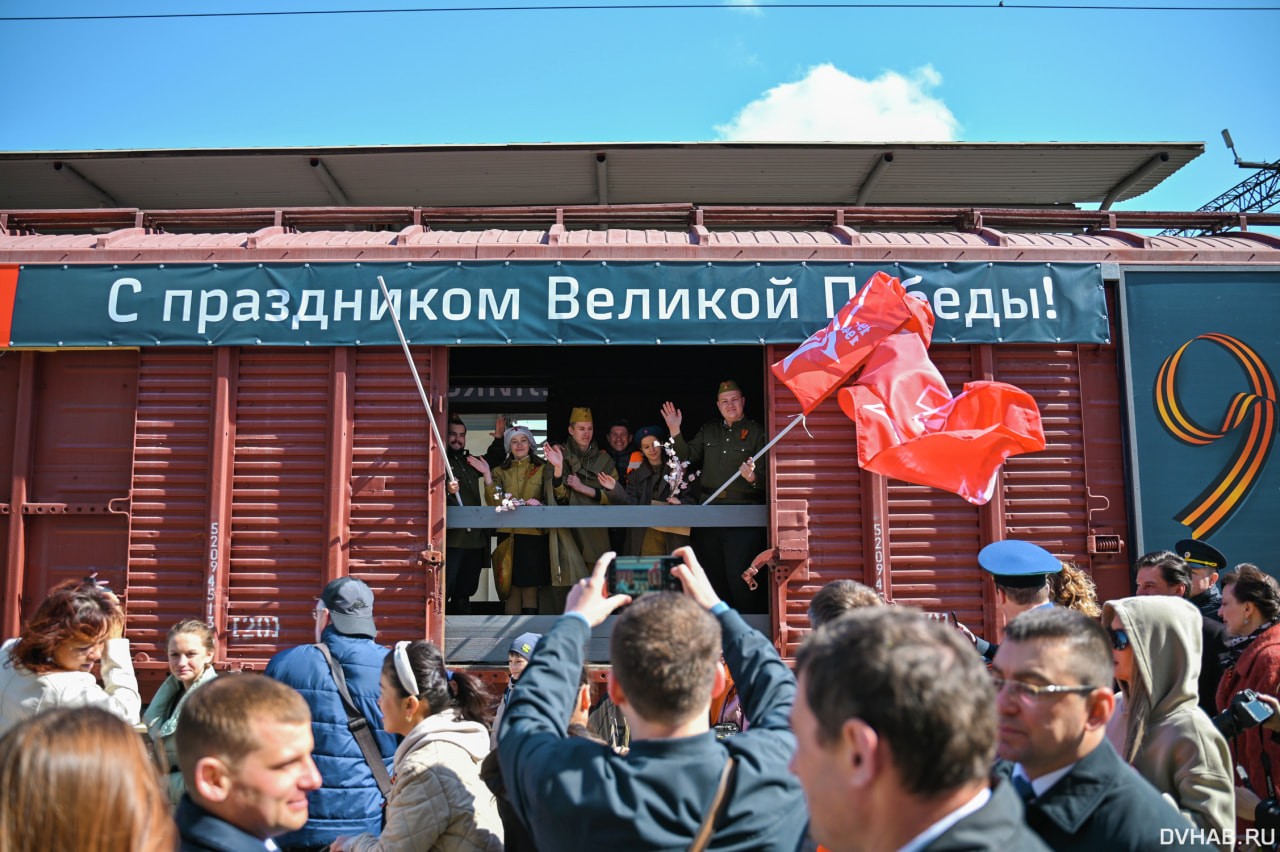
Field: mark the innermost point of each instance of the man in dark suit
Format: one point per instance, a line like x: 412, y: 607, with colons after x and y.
x: 1053, y: 677
x: 1171, y: 574
x: 244, y: 745
x: 895, y: 733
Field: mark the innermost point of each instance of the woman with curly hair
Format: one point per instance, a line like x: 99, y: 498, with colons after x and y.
x: 51, y: 663
x: 76, y: 779
x: 1074, y: 589
x: 437, y: 800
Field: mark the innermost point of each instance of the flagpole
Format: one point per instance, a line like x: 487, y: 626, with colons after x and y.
x: 417, y: 380
x: 763, y: 450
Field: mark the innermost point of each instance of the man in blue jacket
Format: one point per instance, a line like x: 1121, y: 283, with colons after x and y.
x: 349, y: 803
x: 664, y: 652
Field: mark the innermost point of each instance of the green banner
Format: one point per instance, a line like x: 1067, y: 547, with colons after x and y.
x: 1201, y: 356
x: 532, y: 302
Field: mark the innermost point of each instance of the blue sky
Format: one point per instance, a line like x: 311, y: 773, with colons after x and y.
x: 912, y: 74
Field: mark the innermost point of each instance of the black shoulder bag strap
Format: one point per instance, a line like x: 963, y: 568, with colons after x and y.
x: 718, y: 804
x: 359, y: 725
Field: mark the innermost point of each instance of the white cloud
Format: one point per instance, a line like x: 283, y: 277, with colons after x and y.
x: 829, y: 105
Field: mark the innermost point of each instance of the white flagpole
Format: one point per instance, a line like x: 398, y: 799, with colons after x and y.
x: 435, y: 430
x: 758, y: 455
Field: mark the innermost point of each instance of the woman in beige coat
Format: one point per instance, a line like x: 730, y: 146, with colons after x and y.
x: 524, y: 476
x: 1159, y: 727
x: 437, y: 800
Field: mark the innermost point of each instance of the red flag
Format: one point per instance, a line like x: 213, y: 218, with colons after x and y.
x: 824, y: 361
x: 910, y: 428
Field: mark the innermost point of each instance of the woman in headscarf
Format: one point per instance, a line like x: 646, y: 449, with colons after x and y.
x: 1158, y: 726
x: 523, y: 476
x: 649, y: 485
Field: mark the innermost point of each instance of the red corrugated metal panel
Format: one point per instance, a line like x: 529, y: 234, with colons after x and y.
x: 1045, y: 493
x: 10, y: 364
x: 277, y: 543
x: 934, y: 536
x: 329, y: 239
x: 167, y: 565
x: 725, y: 241
x: 1103, y: 415
x: 821, y: 470
x: 390, y: 483
x: 82, y: 460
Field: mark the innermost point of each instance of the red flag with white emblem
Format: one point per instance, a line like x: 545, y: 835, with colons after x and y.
x: 828, y: 358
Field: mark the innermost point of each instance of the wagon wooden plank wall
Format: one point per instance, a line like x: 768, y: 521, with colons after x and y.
x: 231, y: 482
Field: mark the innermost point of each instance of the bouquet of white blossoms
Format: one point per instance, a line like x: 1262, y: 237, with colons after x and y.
x: 508, y: 504
x: 676, y: 477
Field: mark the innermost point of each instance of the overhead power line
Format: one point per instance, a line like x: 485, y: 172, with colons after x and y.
x: 1058, y: 7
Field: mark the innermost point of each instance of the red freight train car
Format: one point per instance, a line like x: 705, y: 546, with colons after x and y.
x: 209, y: 408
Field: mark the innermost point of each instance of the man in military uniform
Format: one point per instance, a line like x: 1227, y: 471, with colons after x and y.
x: 464, y: 549
x: 1206, y: 563
x: 575, y: 551
x: 720, y: 449
x: 1021, y: 571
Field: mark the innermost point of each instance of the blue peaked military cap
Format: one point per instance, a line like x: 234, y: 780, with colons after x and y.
x: 1018, y: 564
x: 1200, y: 554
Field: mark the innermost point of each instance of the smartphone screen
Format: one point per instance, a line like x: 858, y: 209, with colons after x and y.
x: 636, y: 575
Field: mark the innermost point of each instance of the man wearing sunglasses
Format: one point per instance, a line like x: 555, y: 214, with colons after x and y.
x: 1053, y: 675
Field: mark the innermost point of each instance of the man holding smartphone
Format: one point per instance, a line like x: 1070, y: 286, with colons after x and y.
x: 679, y: 782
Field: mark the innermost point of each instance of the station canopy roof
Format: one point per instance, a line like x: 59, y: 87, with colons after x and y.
x: 991, y: 174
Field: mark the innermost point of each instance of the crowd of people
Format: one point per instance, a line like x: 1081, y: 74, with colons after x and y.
x: 1082, y: 729
x: 655, y: 465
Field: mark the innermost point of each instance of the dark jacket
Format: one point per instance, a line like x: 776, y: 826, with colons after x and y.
x: 470, y: 487
x: 995, y: 827
x: 626, y: 461
x: 349, y: 802
x: 1103, y: 803
x: 1214, y: 645
x: 718, y: 450
x: 645, y: 485
x: 201, y: 831
x: 1209, y: 603
x: 654, y: 797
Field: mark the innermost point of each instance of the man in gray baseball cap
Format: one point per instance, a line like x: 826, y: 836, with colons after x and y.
x: 350, y: 802
x: 349, y: 603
